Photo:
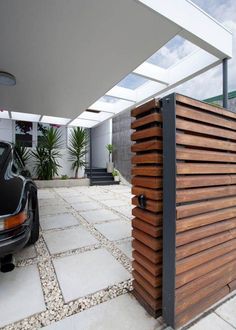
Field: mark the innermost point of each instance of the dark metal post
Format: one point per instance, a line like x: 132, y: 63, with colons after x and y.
x: 225, y: 82
x: 90, y: 156
x: 169, y: 209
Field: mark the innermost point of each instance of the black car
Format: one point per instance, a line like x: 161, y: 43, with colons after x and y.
x: 19, y: 217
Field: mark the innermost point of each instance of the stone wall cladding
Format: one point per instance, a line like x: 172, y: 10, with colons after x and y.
x: 121, y: 139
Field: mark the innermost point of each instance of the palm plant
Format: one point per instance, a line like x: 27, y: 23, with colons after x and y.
x: 47, y: 154
x: 78, y: 148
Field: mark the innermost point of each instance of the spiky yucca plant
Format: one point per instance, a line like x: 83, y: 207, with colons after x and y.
x: 47, y: 154
x: 78, y: 144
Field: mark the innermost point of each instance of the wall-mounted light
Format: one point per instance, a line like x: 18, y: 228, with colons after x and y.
x: 7, y: 79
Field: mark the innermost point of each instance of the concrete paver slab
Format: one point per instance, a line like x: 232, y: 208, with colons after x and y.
x: 68, y: 239
x: 20, y: 294
x: 86, y: 206
x: 211, y: 322
x: 126, y: 247
x: 228, y: 311
x: 52, y: 209
x: 58, y: 221
x: 114, y: 230
x: 88, y: 272
x: 99, y: 216
x: 123, y: 312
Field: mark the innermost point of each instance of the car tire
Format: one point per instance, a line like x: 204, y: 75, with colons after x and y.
x: 35, y: 221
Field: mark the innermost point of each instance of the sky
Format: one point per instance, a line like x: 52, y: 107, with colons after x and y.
x: 210, y: 83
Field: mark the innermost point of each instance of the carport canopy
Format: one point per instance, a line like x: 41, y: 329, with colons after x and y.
x: 80, y: 62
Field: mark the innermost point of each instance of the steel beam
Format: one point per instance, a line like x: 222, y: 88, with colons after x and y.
x: 225, y: 82
x: 169, y: 209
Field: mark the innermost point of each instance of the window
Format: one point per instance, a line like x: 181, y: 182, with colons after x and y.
x: 24, y: 133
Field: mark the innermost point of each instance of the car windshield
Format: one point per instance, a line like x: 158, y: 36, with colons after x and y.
x: 2, y: 149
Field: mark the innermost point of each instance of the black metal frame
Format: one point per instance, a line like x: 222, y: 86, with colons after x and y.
x: 90, y: 156
x: 169, y: 209
x: 225, y: 82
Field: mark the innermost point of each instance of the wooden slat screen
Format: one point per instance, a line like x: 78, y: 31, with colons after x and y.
x: 147, y: 228
x: 204, y: 221
x: 205, y: 207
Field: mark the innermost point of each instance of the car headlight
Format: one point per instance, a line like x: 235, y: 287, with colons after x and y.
x: 13, y: 221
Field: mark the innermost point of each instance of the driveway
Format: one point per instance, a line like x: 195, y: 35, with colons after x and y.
x: 78, y: 275
x: 82, y: 259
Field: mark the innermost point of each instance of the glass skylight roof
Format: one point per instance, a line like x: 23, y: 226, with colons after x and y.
x: 83, y: 123
x: 108, y: 99
x: 25, y: 116
x: 54, y: 120
x: 4, y: 114
x: 176, y: 49
x: 132, y: 81
x: 95, y: 116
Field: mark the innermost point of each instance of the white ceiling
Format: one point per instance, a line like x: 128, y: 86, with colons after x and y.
x: 66, y: 54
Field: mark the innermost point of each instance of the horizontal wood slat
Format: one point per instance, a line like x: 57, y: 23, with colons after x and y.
x: 149, y: 217
x: 205, y: 243
x: 204, y: 181
x: 154, y: 206
x: 204, y: 256
x: 205, y: 231
x: 206, y: 206
x: 147, y: 159
x: 198, y: 115
x: 154, y: 269
x: 147, y: 182
x: 153, y: 256
x: 142, y: 109
x: 146, y: 133
x: 154, y: 292
x: 206, y: 279
x: 190, y: 126
x: 204, y: 155
x: 204, y: 142
x: 149, y: 119
x: 205, y: 219
x: 145, y: 227
x: 190, y: 195
x: 147, y: 146
x: 155, y: 281
x: 193, y: 168
x: 154, y: 243
x: 205, y: 106
x: 147, y: 170
x: 149, y: 193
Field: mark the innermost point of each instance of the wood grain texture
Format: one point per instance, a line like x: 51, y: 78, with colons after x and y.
x: 147, y: 174
x: 142, y: 109
x: 149, y: 119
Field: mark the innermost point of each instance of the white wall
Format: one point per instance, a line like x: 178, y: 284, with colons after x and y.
x: 101, y: 136
x: 6, y: 133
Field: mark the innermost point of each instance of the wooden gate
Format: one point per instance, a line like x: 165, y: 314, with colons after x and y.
x: 185, y: 214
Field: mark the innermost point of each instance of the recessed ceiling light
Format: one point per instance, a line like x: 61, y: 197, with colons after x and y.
x: 7, y: 79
